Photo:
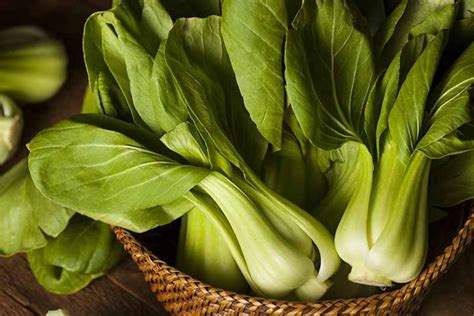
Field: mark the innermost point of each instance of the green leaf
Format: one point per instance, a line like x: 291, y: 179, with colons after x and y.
x: 86, y: 246
x: 88, y: 104
x: 186, y: 141
x: 387, y: 29
x: 329, y: 73
x: 380, y: 104
x: 373, y: 11
x: 155, y: 25
x: 451, y: 104
x: 106, y: 175
x: 420, y: 15
x: 452, y: 182
x: 25, y: 215
x: 254, y: 33
x: 56, y: 279
x: 127, y: 52
x: 168, y: 108
x: 458, y: 142
x: 406, y: 117
x: 107, y: 92
x: 203, y: 75
x: 285, y: 171
x: 466, y: 9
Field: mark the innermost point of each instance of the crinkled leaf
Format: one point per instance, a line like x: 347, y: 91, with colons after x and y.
x: 106, y: 175
x: 254, y: 33
x: 26, y: 217
x: 452, y: 182
x: 329, y: 73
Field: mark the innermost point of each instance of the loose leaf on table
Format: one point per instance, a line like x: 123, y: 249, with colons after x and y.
x: 85, y: 246
x: 329, y: 72
x: 26, y: 217
x: 96, y: 166
x: 254, y: 33
x: 452, y: 182
x: 85, y: 250
x: 203, y: 76
x: 56, y: 279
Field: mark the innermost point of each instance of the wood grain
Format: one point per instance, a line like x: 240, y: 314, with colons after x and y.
x: 122, y: 292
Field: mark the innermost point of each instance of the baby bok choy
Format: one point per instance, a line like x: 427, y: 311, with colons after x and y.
x: 32, y: 65
x: 185, y: 92
x: 393, y: 110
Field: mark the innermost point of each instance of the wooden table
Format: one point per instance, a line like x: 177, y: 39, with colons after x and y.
x: 123, y: 291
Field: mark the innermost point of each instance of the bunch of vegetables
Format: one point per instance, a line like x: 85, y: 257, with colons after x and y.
x: 65, y: 251
x: 287, y: 135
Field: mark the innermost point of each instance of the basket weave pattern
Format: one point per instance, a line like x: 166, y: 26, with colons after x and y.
x: 183, y: 295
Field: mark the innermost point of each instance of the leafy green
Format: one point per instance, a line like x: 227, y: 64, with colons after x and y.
x: 131, y: 177
x: 329, y: 72
x: 451, y: 182
x: 196, y: 56
x: 86, y: 246
x: 81, y: 253
x: 27, y: 218
x: 205, y: 254
x: 254, y: 35
x: 32, y: 65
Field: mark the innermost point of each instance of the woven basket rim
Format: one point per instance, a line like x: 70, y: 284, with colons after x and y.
x: 407, y: 298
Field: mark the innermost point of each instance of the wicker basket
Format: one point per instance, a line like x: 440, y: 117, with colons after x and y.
x: 181, y: 294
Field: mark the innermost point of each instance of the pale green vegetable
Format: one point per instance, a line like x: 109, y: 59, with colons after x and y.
x: 203, y: 253
x: 130, y: 179
x: 394, y: 115
x: 32, y: 65
x: 26, y: 217
x: 11, y: 126
x: 254, y: 33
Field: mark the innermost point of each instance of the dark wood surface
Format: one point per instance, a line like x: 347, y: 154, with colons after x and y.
x: 123, y: 291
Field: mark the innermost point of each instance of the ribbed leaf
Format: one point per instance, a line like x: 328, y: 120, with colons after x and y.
x: 107, y: 175
x: 85, y: 246
x: 451, y: 106
x: 406, y: 117
x: 329, y: 73
x: 452, y: 182
x: 199, y: 63
x: 254, y: 33
x: 26, y: 217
